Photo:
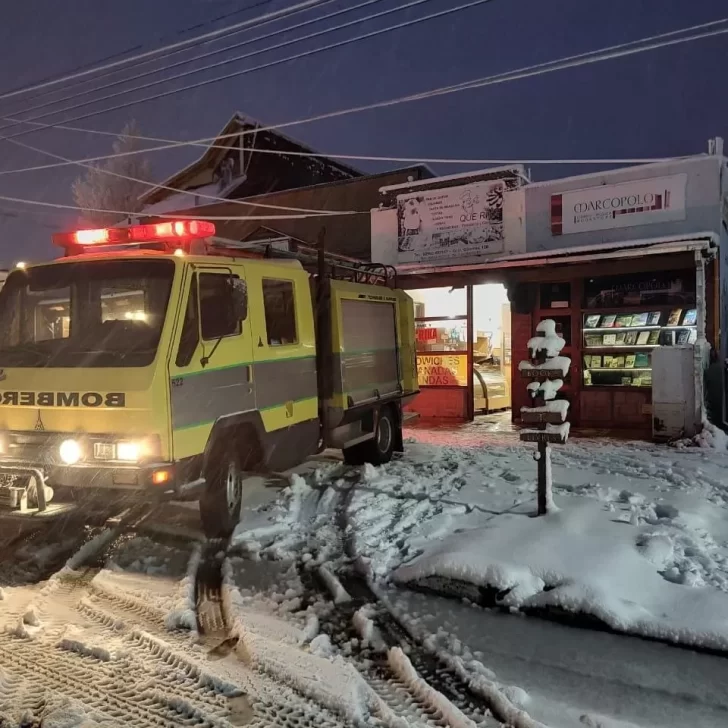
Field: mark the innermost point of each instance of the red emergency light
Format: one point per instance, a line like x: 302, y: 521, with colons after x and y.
x: 168, y: 231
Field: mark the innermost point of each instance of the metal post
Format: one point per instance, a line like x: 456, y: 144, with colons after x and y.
x: 700, y: 350
x: 470, y: 409
x: 542, y: 468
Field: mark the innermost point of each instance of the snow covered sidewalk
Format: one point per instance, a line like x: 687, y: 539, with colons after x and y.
x: 639, y: 542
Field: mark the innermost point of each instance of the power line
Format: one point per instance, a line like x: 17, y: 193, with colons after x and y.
x: 163, y: 215
x: 526, y: 72
x: 214, y: 198
x: 147, y: 54
x: 608, y: 53
x: 131, y: 49
x: 182, y: 62
x: 168, y: 143
x: 270, y: 64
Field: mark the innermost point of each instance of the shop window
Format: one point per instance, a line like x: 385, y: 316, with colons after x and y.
x: 280, y: 312
x: 673, y: 288
x: 555, y: 295
x: 626, y: 318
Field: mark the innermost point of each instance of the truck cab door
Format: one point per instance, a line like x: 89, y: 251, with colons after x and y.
x: 210, y: 370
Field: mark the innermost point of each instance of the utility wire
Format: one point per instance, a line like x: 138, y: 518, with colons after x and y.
x: 93, y: 64
x: 168, y: 143
x: 163, y: 215
x: 155, y: 51
x: 186, y: 61
x: 263, y: 66
x: 189, y: 193
x: 622, y: 50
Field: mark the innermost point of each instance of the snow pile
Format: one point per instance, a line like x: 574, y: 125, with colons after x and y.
x: 580, y: 561
x: 546, y: 340
x: 552, y: 406
x: 709, y: 438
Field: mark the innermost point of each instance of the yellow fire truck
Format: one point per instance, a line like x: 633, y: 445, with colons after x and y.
x: 160, y: 361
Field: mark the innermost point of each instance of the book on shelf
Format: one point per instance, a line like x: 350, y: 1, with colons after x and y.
x: 624, y: 319
x: 587, y: 361
x: 630, y: 338
x: 646, y: 380
x: 640, y: 319
x: 693, y: 336
x: 596, y: 361
x: 641, y: 360
x: 643, y: 337
x: 683, y: 337
x: 690, y: 318
x: 674, y: 318
x: 619, y: 362
x: 592, y: 321
x: 621, y: 339
x: 609, y: 339
x: 654, y: 338
x: 654, y: 318
x: 608, y: 361
x: 626, y: 381
x: 629, y: 361
x: 608, y: 320
x: 593, y: 340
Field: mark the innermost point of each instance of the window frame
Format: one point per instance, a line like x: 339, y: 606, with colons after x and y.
x: 220, y: 273
x: 297, y: 334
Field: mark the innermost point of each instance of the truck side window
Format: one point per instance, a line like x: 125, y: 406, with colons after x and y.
x: 190, y: 337
x: 280, y: 312
x: 217, y: 312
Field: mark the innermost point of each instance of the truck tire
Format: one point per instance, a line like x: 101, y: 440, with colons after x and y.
x: 380, y: 448
x: 221, y: 503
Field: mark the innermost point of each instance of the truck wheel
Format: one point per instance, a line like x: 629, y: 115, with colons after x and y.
x: 378, y: 450
x: 222, y: 500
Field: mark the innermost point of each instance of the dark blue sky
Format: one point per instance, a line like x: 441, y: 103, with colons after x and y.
x: 661, y: 103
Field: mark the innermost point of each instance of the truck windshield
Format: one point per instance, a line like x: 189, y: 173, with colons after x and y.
x: 84, y: 314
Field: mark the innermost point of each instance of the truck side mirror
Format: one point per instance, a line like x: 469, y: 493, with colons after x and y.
x: 239, y: 290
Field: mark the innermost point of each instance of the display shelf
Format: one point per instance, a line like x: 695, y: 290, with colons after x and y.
x: 621, y: 347
x: 613, y: 329
x: 619, y: 369
x: 637, y: 309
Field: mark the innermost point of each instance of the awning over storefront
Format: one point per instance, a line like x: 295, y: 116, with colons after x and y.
x: 521, y: 266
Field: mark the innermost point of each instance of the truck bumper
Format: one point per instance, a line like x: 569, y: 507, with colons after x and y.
x: 151, y: 481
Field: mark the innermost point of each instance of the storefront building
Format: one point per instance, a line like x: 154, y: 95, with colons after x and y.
x: 627, y: 263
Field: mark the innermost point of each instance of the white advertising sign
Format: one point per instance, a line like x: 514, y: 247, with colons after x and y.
x: 644, y: 201
x: 447, y: 224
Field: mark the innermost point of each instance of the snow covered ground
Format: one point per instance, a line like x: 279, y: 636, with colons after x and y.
x: 639, y: 545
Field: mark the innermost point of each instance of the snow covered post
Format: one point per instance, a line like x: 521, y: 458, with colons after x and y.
x: 545, y: 370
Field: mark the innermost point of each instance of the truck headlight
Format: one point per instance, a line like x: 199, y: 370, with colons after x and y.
x: 130, y: 451
x: 70, y: 452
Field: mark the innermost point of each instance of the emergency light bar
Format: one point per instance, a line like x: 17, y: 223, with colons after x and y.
x: 167, y: 231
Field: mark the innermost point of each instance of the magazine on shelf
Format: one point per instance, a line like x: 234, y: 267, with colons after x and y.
x: 691, y: 317
x: 641, y: 360
x: 596, y: 361
x: 674, y: 319
x: 654, y: 318
x: 643, y: 338
x: 630, y: 338
x: 640, y: 319
x: 608, y: 361
x: 619, y: 362
x: 592, y: 321
x: 608, y: 320
x: 621, y: 338
x: 683, y: 337
x: 654, y: 338
x: 624, y: 319
x: 593, y: 340
x: 629, y: 361
x: 609, y: 339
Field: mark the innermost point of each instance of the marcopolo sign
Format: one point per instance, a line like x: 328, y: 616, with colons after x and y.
x: 645, y: 201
